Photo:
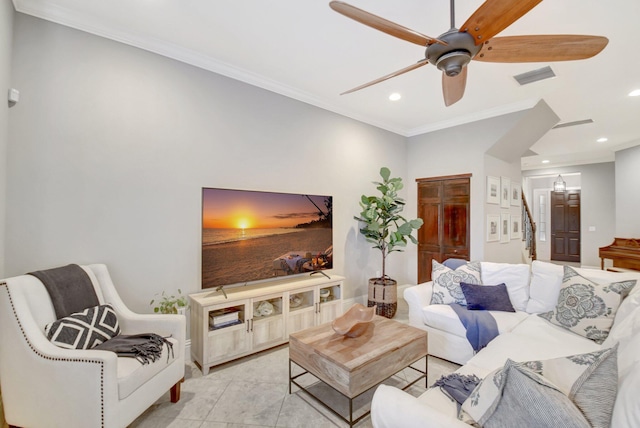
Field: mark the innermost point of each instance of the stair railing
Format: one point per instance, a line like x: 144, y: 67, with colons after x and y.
x: 529, y: 229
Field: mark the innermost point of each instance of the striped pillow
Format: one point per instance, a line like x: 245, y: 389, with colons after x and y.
x: 579, y: 388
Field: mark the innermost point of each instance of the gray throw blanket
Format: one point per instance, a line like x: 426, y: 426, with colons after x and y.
x: 457, y: 387
x: 146, y: 347
x: 70, y: 289
x: 481, y: 326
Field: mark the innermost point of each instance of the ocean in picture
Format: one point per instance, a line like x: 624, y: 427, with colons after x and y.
x: 220, y: 236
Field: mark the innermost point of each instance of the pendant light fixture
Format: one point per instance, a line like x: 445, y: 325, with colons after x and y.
x: 559, y: 185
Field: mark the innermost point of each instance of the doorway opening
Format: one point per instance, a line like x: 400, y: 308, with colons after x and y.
x: 557, y: 218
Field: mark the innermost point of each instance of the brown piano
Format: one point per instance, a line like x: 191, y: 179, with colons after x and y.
x: 625, y: 253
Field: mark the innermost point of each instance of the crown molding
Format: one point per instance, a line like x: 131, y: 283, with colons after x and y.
x: 67, y: 18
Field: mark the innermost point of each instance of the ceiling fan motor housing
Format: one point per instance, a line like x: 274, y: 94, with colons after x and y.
x: 459, y: 51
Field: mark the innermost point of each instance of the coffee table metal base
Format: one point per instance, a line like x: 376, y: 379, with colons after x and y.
x: 350, y: 421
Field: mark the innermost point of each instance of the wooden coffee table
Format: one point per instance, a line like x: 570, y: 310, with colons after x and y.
x: 351, y: 366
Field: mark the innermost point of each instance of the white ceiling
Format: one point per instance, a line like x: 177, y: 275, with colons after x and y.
x: 305, y: 50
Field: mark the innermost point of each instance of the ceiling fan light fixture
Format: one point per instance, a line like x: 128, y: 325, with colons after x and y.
x: 453, y: 57
x: 452, y: 63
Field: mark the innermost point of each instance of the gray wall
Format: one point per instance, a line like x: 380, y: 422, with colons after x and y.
x: 628, y: 193
x: 6, y: 37
x: 111, y: 145
x: 597, y: 205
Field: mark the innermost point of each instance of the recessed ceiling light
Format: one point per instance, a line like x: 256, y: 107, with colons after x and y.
x: 634, y: 93
x: 602, y: 140
x: 546, y: 161
x: 395, y: 96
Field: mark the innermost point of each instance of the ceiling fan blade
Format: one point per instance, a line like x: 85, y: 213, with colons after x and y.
x: 453, y: 87
x: 382, y: 24
x: 543, y: 48
x: 493, y: 16
x: 389, y: 76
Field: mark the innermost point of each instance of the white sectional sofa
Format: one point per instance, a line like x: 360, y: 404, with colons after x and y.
x: 524, y: 336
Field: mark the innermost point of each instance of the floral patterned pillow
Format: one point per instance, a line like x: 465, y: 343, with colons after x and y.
x: 585, y: 307
x: 581, y: 386
x: 446, y: 282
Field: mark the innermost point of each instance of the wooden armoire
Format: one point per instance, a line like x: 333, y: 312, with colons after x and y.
x: 444, y: 206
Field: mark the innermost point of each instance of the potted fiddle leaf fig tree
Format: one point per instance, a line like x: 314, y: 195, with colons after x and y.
x: 384, y: 226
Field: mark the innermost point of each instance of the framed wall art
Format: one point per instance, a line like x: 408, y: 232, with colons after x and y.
x: 516, y: 194
x: 516, y: 226
x: 493, y: 228
x: 493, y: 190
x: 505, y: 226
x: 505, y: 192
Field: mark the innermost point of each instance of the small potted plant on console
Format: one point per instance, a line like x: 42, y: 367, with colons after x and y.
x: 171, y: 304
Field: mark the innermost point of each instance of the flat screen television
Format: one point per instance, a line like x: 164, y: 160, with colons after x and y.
x: 254, y: 235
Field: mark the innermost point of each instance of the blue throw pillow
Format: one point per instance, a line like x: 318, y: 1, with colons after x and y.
x: 487, y: 297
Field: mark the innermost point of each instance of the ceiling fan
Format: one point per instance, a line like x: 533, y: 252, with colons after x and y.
x: 454, y: 49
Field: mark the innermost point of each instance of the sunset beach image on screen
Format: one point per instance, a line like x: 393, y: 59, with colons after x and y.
x: 254, y: 235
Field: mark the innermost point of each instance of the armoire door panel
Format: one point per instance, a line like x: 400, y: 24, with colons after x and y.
x: 428, y: 234
x: 456, y: 190
x: 455, y: 226
x: 424, y: 264
x: 443, y: 205
x: 430, y: 192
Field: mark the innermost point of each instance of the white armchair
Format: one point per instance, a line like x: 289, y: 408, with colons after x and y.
x: 47, y: 386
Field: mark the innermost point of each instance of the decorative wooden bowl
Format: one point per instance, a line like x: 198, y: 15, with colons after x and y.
x: 355, y: 321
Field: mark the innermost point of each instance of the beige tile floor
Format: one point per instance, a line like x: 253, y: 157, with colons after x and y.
x: 253, y: 392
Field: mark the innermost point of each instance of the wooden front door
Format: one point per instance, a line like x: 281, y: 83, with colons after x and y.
x: 565, y: 226
x: 443, y: 205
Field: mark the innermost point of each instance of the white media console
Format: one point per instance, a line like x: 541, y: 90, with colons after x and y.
x: 256, y: 317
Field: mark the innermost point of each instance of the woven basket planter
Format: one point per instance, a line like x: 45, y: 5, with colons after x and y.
x: 383, y: 294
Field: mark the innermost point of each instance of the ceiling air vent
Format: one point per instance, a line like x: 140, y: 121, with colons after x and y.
x: 574, y: 123
x: 535, y: 75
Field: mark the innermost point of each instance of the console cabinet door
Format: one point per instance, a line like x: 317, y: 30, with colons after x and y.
x: 225, y: 342
x: 267, y: 321
x: 302, y: 309
x: 329, y: 306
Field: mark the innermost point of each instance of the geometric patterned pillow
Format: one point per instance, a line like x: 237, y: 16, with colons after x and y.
x: 585, y: 307
x: 446, y: 282
x: 583, y: 386
x: 84, y: 330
